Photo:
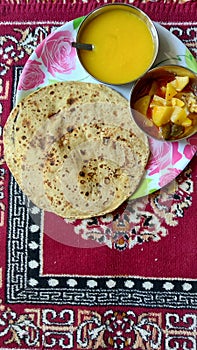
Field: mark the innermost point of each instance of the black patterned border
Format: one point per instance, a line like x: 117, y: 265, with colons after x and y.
x: 25, y: 282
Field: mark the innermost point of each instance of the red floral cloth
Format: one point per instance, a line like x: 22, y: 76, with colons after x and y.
x: 126, y: 281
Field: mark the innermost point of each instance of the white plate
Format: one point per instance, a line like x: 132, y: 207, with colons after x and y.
x: 55, y: 60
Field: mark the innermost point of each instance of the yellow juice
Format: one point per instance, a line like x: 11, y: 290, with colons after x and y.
x: 123, y: 47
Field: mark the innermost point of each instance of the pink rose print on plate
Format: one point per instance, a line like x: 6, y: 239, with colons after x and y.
x: 191, y: 148
x: 57, y: 53
x: 167, y: 178
x: 164, y: 155
x: 31, y: 76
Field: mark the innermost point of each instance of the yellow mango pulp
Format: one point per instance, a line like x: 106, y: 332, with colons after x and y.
x: 123, y: 47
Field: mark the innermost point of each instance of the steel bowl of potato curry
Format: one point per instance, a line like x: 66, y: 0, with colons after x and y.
x: 164, y: 103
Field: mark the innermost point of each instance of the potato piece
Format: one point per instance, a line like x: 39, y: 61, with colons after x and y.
x: 170, y: 91
x: 161, y: 115
x: 173, y: 83
x: 187, y: 122
x: 177, y: 102
x: 158, y: 101
x: 181, y: 82
x: 142, y: 104
x: 179, y: 115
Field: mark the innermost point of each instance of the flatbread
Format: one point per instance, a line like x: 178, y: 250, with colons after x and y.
x: 94, y: 160
x: 34, y: 110
x: 74, y: 149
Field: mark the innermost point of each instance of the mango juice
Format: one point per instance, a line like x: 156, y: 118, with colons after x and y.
x: 123, y: 47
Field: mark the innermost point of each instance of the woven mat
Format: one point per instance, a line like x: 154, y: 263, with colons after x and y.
x: 128, y: 283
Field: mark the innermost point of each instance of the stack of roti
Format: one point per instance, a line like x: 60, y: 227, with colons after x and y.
x: 74, y: 149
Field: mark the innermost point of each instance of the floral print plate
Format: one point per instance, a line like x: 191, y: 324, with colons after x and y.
x: 55, y: 60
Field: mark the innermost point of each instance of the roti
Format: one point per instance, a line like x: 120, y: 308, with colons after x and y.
x: 34, y: 110
x: 78, y: 153
x: 95, y: 166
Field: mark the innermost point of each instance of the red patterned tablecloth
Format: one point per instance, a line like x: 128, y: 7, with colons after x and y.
x: 126, y: 281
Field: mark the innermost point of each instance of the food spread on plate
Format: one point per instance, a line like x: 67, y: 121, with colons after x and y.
x: 74, y: 149
x: 123, y: 44
x: 21, y: 147
x: 170, y: 102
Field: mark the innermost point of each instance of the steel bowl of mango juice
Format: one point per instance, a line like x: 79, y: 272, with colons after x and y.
x: 125, y: 43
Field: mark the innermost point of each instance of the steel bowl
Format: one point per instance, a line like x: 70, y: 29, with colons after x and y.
x: 143, y: 88
x: 114, y: 7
